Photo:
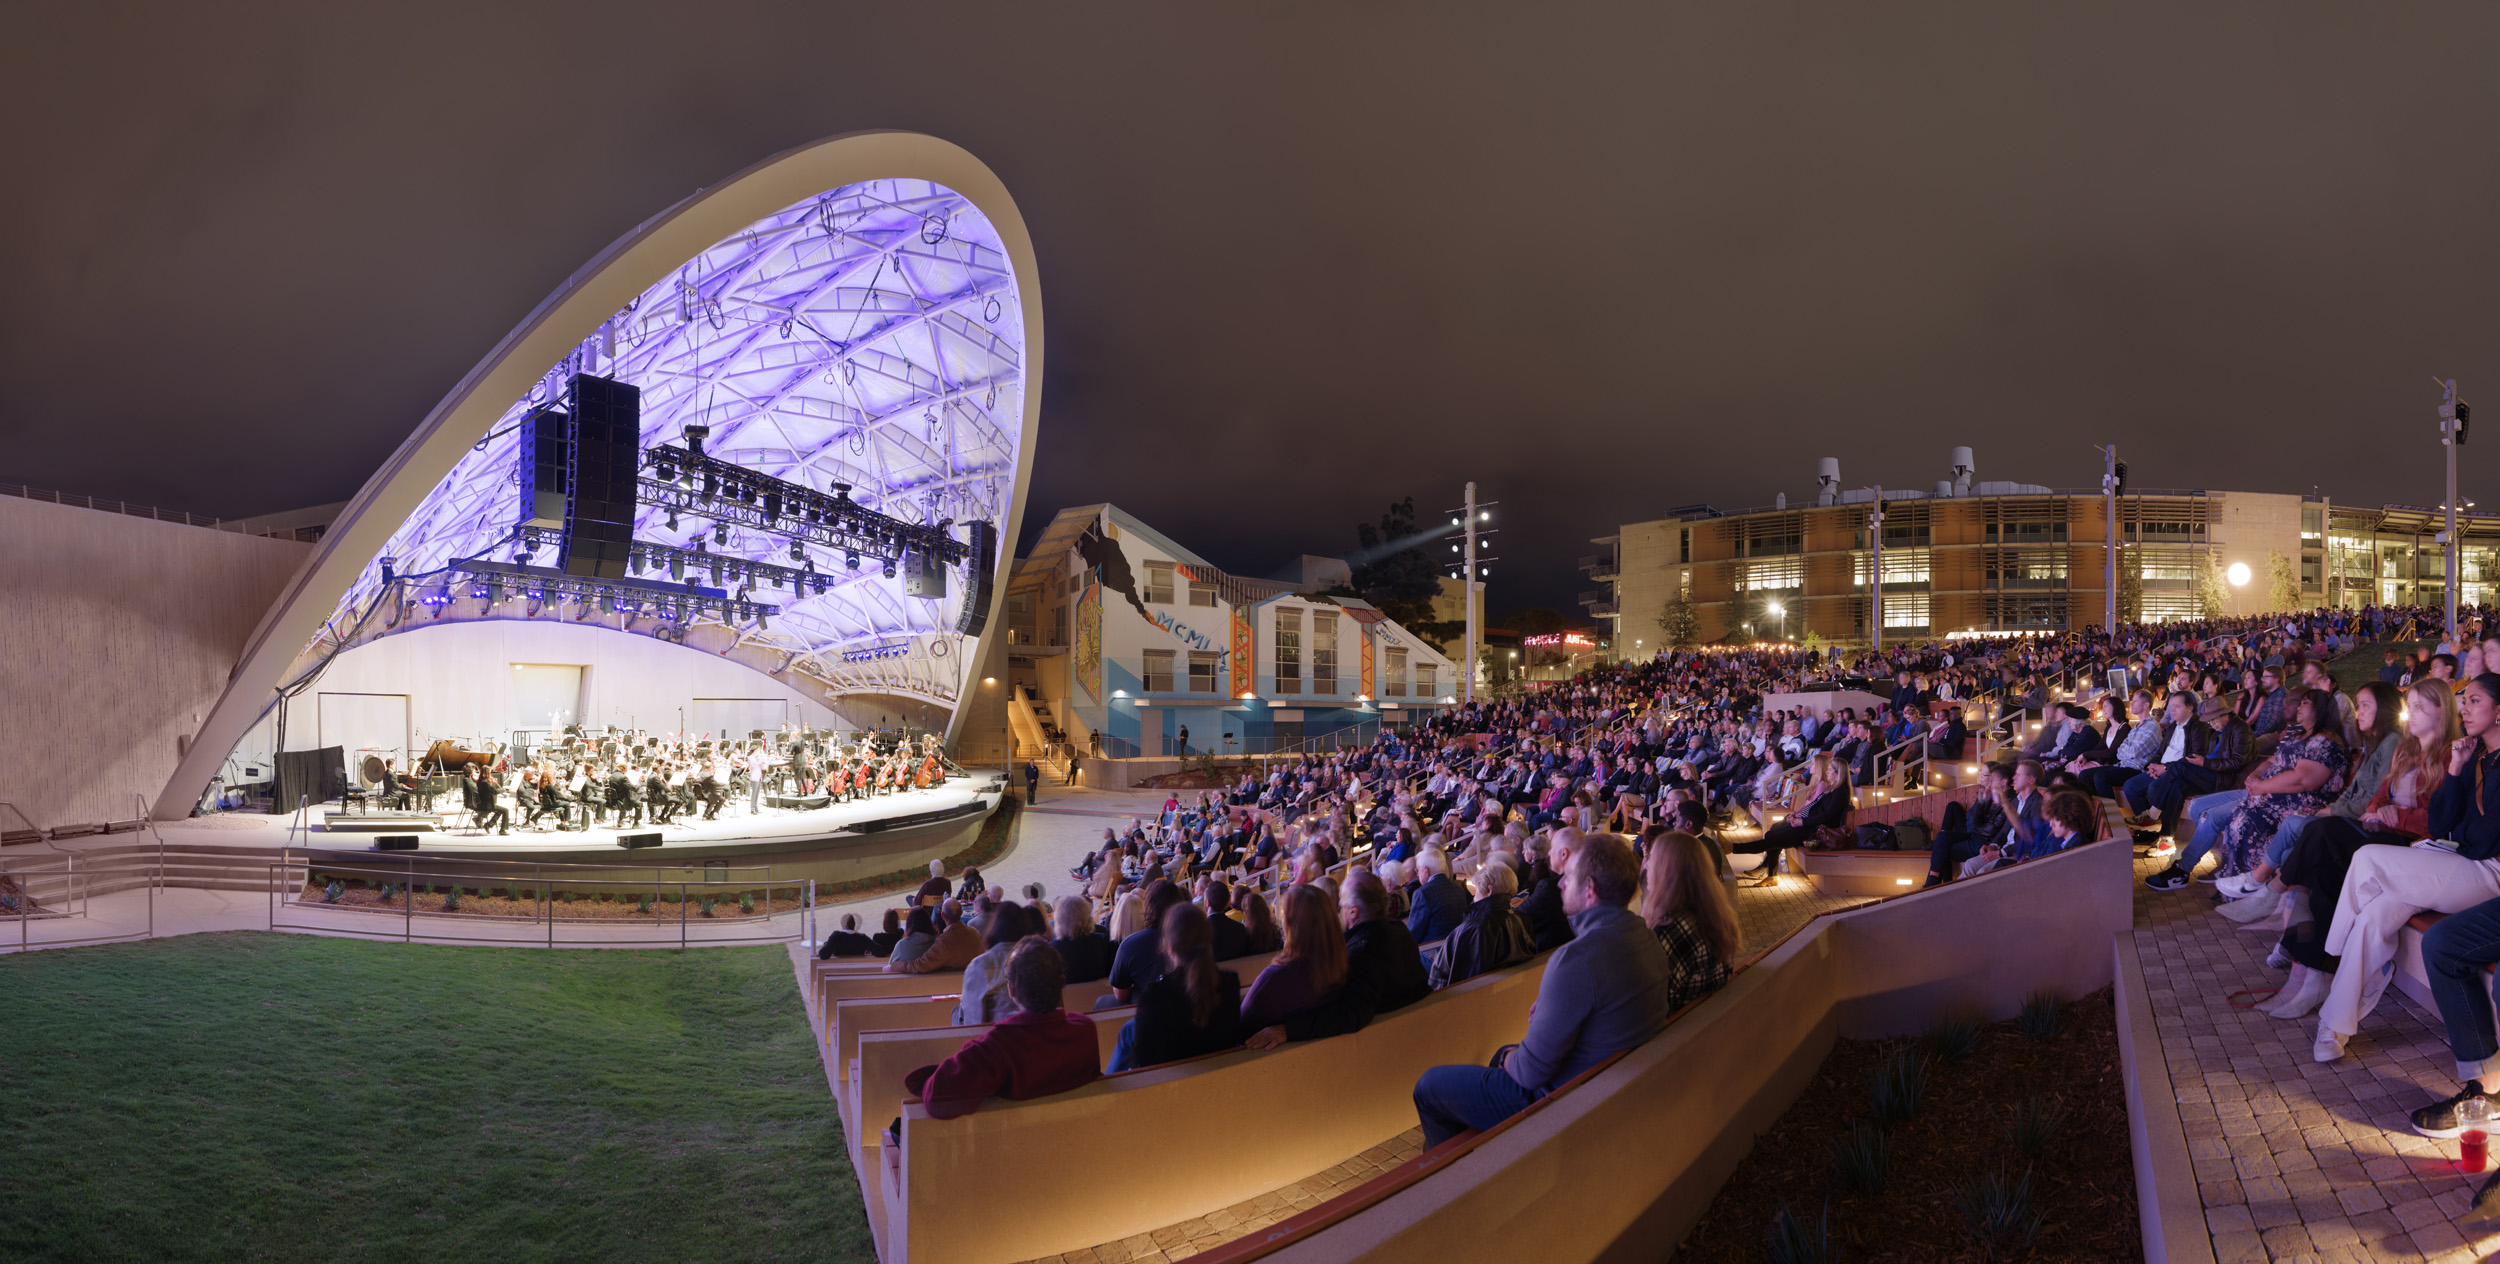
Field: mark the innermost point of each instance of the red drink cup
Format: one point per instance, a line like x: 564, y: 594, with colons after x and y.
x: 2473, y: 1149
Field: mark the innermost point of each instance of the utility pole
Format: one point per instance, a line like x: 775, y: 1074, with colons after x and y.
x: 2453, y: 414
x: 1875, y: 580
x: 1467, y: 594
x: 2113, y: 476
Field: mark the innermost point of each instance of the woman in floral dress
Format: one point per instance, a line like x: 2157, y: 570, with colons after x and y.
x: 2304, y: 775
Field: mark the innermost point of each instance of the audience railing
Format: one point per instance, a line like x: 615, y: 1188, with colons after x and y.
x: 737, y: 904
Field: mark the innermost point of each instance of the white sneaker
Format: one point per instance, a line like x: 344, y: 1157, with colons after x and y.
x: 2164, y: 849
x: 2330, y: 1045
x: 2238, y: 886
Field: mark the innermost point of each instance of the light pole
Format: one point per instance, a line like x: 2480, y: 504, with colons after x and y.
x: 1782, y: 612
x: 2453, y: 414
x: 1875, y: 580
x: 1472, y: 573
x: 2113, y: 480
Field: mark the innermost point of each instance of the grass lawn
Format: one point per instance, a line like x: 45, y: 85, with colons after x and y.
x: 257, y: 1096
x: 2361, y: 666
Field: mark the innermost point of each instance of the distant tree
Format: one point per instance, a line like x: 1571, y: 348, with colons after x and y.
x: 1535, y: 621
x: 1679, y: 622
x: 2213, y: 598
x: 2130, y: 585
x: 1404, y: 582
x: 2282, y: 582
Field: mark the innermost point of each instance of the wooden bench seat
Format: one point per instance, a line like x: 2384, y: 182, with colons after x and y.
x: 1172, y: 1142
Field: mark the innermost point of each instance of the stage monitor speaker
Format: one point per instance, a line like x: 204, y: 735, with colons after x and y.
x: 395, y: 842
x: 632, y: 841
x: 607, y: 460
x: 976, y: 611
x: 924, y: 575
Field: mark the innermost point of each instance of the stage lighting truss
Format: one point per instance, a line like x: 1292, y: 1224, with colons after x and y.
x: 874, y: 653
x: 688, y: 480
x: 488, y: 580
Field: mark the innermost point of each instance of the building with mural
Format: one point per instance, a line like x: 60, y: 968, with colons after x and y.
x: 1121, y: 643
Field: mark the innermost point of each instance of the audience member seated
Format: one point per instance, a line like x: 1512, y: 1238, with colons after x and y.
x: 1084, y: 951
x: 847, y: 942
x: 2313, y: 873
x: 919, y: 934
x: 1227, y: 935
x: 1826, y: 799
x: 1308, y: 971
x: 1384, y: 969
x: 1139, y: 957
x: 1440, y: 903
x: 1491, y: 936
x: 2456, y: 954
x: 2196, y: 758
x: 2375, y: 739
x: 2304, y: 775
x: 1038, y: 1050
x: 1190, y: 1009
x: 985, y: 998
x: 1685, y: 904
x: 1604, y: 992
x: 2008, y: 799
x: 936, y: 888
x: 2067, y: 821
x: 1542, y: 907
x: 2388, y: 885
x: 954, y: 947
x: 1258, y: 924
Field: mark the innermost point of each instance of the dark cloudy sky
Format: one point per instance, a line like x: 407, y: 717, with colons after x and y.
x: 1299, y: 259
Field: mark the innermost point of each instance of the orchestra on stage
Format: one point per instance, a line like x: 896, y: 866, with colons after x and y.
x: 632, y: 779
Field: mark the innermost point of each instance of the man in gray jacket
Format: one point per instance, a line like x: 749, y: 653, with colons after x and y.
x: 1604, y: 992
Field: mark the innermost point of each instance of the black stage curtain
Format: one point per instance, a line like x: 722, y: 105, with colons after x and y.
x: 317, y: 776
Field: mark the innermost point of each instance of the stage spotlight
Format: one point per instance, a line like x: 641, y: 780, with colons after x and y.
x: 798, y: 552
x: 820, y: 585
x: 851, y: 561
x: 889, y: 570
x: 677, y: 567
x: 720, y: 533
x: 672, y: 519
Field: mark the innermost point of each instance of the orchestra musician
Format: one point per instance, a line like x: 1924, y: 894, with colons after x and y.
x: 759, y: 765
x: 655, y: 795
x: 583, y: 793
x: 481, y: 796
x: 708, y: 787
x: 621, y: 798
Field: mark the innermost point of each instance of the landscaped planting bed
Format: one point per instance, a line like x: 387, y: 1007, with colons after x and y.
x: 2004, y: 1141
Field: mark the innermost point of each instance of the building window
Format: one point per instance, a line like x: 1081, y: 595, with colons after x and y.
x: 1684, y: 547
x: 1324, y: 651
x: 1158, y: 583
x: 1201, y: 593
x: 1427, y: 680
x: 1288, y: 649
x: 1201, y: 672
x: 1394, y: 668
x: 1158, y: 674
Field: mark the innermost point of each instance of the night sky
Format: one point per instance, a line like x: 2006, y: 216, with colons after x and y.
x: 1299, y: 260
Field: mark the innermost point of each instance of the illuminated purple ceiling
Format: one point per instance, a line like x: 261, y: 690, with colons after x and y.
x: 870, y: 336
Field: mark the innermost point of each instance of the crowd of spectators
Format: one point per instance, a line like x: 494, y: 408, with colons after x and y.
x: 1589, y: 822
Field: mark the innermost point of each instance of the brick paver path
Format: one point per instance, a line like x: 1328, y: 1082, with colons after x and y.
x: 2294, y: 1160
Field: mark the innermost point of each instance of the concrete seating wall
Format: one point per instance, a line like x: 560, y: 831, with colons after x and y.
x: 1154, y: 1149
x: 1624, y: 1166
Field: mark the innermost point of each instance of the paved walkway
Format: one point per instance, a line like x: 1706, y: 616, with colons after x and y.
x: 2294, y: 1160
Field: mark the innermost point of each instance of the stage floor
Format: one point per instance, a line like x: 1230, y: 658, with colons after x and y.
x: 774, y: 829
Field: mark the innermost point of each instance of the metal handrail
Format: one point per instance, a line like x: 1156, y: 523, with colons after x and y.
x: 802, y: 903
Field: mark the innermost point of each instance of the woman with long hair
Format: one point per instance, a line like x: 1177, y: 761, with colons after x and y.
x: 2305, y: 773
x: 1084, y: 951
x: 1309, y: 969
x: 2396, y: 814
x: 1128, y: 916
x: 2374, y: 740
x: 2388, y: 885
x: 1262, y: 936
x: 1683, y: 901
x: 1193, y: 1008
x: 1826, y: 803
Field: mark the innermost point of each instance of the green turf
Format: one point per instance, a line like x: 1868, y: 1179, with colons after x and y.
x: 287, y: 1097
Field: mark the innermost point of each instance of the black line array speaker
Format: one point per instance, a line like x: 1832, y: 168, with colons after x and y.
x: 976, y: 611
x: 395, y: 842
x: 607, y: 456
x: 631, y: 841
x: 550, y: 468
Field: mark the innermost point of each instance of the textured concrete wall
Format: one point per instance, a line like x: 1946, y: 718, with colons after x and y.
x: 116, y: 635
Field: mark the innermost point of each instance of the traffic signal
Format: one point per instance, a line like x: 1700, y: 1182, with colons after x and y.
x: 2121, y: 485
x: 2465, y: 413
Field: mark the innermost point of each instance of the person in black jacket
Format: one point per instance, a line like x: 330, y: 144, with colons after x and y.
x: 1439, y: 903
x: 1228, y: 935
x: 1384, y: 969
x: 1541, y: 908
x: 1192, y: 1009
x: 846, y: 942
x: 1083, y: 949
x: 1491, y: 936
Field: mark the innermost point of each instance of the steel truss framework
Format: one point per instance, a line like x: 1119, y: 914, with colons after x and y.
x: 869, y: 336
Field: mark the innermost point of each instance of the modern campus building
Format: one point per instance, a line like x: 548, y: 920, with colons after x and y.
x: 1963, y: 555
x: 1124, y: 640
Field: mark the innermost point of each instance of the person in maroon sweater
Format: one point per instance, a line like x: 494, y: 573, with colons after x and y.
x: 1036, y: 1052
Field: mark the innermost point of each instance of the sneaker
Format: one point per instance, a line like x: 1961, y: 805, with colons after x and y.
x: 2239, y: 887
x: 2439, y: 1119
x: 2164, y: 849
x: 2170, y: 879
x: 2210, y: 876
x: 2486, y: 1206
